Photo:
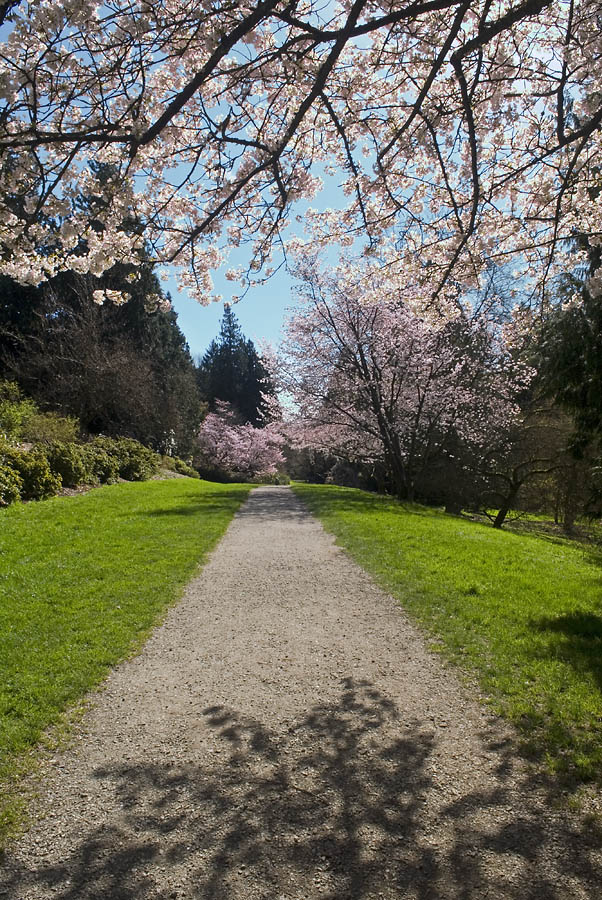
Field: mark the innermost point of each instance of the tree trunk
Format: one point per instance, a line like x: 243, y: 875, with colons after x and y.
x: 397, y: 472
x: 506, y: 505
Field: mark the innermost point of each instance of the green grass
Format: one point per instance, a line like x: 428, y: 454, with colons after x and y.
x: 520, y: 612
x: 82, y: 581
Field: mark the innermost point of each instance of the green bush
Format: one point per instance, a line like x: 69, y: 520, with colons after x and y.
x: 136, y: 462
x: 68, y: 461
x: 184, y: 469
x: 15, y: 410
x: 10, y: 485
x: 102, y: 466
x: 38, y: 481
x: 47, y: 428
x: 139, y: 463
x: 275, y: 478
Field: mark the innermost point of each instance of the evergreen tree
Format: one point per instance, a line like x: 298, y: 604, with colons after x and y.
x: 570, y: 350
x: 120, y: 369
x: 232, y: 371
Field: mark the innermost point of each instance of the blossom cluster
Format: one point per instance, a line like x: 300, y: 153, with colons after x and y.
x: 238, y: 452
x: 467, y: 133
x: 377, y: 377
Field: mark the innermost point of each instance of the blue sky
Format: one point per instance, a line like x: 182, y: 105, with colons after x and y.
x: 261, y: 313
x: 263, y: 310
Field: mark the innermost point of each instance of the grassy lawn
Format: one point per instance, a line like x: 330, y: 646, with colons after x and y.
x: 82, y: 581
x: 521, y: 612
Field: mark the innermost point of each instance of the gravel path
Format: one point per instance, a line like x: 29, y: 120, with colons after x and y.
x: 286, y: 735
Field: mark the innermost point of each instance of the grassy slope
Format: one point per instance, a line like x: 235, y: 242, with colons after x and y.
x: 82, y: 580
x: 521, y: 612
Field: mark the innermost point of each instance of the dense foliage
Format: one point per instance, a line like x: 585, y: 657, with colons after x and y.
x: 40, y: 453
x: 569, y: 347
x: 119, y: 369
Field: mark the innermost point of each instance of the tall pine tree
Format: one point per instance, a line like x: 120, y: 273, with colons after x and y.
x: 232, y: 371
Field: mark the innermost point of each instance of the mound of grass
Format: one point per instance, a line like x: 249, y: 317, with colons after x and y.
x: 82, y: 581
x: 522, y: 613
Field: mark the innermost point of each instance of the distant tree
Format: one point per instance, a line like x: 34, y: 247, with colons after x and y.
x: 568, y: 355
x: 571, y: 352
x: 231, y: 371
x: 230, y: 451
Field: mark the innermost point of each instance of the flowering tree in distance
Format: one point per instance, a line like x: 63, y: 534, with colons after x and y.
x: 463, y: 131
x: 376, y: 378
x: 238, y: 452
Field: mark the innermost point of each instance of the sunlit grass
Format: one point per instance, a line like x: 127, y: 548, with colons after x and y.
x: 522, y: 613
x: 82, y: 581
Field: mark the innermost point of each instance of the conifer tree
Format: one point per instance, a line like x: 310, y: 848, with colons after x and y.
x: 231, y: 371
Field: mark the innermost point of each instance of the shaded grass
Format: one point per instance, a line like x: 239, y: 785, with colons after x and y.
x: 82, y: 581
x: 521, y: 613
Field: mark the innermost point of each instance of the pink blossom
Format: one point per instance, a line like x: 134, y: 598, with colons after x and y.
x: 375, y: 378
x: 462, y: 134
x: 238, y: 452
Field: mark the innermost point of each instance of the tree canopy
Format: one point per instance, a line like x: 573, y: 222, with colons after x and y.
x: 464, y: 132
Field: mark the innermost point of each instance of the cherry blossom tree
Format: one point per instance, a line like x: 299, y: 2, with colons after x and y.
x: 238, y: 452
x: 463, y: 132
x: 374, y: 377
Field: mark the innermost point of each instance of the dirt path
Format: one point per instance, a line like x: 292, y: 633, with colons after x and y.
x: 286, y: 736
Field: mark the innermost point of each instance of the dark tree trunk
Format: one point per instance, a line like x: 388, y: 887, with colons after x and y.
x: 506, y: 505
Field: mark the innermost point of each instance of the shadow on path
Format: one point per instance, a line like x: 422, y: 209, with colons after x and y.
x: 263, y: 504
x: 341, y: 806
x: 275, y: 502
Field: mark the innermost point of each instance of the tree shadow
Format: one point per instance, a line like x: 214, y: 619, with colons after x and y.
x: 356, y: 500
x: 225, y: 501
x: 275, y: 501
x: 579, y: 641
x: 344, y: 805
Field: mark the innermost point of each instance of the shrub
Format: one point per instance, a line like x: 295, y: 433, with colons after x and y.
x: 67, y: 460
x: 184, y: 469
x: 47, y: 428
x: 168, y: 462
x: 15, y: 410
x: 136, y: 462
x: 139, y: 463
x: 102, y: 466
x: 38, y: 481
x: 10, y: 485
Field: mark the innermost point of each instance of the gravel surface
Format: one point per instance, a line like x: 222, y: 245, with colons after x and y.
x: 287, y: 735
